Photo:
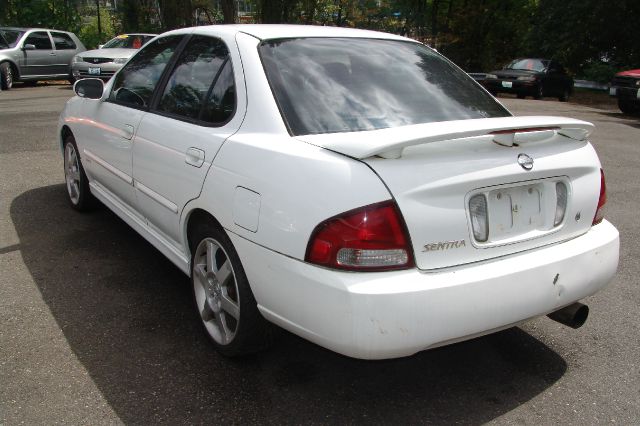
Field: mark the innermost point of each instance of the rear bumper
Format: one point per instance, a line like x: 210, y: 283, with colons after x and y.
x: 395, y: 314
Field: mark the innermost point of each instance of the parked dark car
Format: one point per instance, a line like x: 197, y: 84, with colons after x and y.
x: 531, y: 77
x: 626, y: 87
x: 33, y: 54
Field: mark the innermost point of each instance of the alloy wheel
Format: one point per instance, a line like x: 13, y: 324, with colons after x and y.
x: 216, y: 291
x: 72, y: 172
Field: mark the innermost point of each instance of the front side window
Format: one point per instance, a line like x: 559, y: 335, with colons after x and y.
x: 62, y: 41
x: 135, y: 83
x: 194, y: 79
x: 39, y: 39
x: 327, y: 85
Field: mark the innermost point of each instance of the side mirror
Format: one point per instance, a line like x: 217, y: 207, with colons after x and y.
x: 100, y: 46
x: 91, y: 88
x: 29, y: 47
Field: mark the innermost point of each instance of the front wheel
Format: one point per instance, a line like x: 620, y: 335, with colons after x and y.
x: 76, y: 180
x: 629, y: 107
x: 222, y: 296
x: 6, y: 76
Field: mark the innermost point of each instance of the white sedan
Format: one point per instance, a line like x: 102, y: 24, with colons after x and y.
x: 353, y: 187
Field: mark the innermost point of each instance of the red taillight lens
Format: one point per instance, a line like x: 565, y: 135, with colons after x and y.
x: 601, y: 201
x: 371, y: 238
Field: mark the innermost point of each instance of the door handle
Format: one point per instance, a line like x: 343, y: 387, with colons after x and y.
x: 194, y: 157
x: 52, y: 54
x: 127, y: 131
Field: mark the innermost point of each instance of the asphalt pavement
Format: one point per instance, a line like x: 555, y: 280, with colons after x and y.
x: 96, y: 326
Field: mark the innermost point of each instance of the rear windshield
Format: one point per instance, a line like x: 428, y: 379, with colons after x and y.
x: 528, y: 64
x: 328, y: 85
x: 9, y: 37
x: 128, y: 41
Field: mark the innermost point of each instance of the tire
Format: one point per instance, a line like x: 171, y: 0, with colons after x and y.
x: 564, y: 96
x: 222, y: 296
x: 6, y: 76
x: 538, y: 92
x: 76, y: 181
x: 520, y: 95
x: 629, y: 107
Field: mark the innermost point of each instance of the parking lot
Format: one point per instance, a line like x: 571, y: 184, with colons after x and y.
x: 96, y: 326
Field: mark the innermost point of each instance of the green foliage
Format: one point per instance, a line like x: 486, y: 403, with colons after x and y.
x: 89, y: 33
x: 56, y: 14
x: 598, y: 71
x: 591, y: 38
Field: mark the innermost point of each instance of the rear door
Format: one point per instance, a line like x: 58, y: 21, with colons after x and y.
x: 195, y: 112
x: 65, y: 49
x: 39, y: 61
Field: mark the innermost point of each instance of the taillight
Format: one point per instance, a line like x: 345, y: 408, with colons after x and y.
x: 371, y: 238
x: 601, y: 201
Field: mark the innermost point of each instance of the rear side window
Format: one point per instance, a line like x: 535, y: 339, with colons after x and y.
x: 327, y: 85
x: 201, y: 79
x: 222, y: 102
x: 40, y: 40
x: 135, y: 83
x: 62, y: 41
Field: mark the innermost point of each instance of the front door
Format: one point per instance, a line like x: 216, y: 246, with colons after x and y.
x: 38, y: 61
x: 108, y: 136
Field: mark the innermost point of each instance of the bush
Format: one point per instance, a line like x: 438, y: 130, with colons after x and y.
x: 599, y: 72
x: 89, y: 32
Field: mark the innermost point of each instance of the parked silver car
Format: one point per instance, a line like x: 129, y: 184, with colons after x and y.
x: 109, y: 58
x: 32, y: 54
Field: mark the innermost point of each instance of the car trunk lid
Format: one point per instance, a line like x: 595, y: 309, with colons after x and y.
x: 434, y: 170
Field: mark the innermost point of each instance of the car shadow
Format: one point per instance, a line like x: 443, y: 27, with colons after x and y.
x: 620, y: 117
x: 126, y: 313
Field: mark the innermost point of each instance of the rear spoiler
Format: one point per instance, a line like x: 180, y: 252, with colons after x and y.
x: 506, y: 131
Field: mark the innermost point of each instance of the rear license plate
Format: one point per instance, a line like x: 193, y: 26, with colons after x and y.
x: 515, y: 211
x: 612, y: 91
x: 507, y: 84
x: 94, y: 70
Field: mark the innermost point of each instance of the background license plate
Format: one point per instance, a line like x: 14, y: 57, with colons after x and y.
x: 507, y: 84
x: 94, y: 70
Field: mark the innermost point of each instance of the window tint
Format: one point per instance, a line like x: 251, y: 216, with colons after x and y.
x: 62, y: 41
x: 193, y: 76
x: 40, y: 40
x: 135, y: 83
x: 222, y: 101
x: 326, y: 85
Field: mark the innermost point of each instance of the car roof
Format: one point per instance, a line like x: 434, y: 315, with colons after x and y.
x: 274, y: 31
x: 136, y: 34
x: 34, y: 28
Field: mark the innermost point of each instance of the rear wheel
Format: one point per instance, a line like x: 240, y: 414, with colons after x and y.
x: 75, y: 178
x: 6, y: 76
x: 564, y: 96
x: 629, y: 107
x: 222, y: 296
x: 538, y: 93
